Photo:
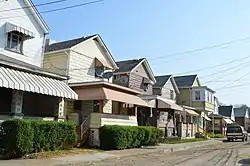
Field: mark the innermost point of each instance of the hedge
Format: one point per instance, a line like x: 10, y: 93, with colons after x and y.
x: 20, y: 137
x: 124, y: 137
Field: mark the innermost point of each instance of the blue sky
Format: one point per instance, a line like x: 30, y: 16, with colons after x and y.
x: 158, y: 28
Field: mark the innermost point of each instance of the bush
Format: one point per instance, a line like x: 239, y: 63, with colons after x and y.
x: 215, y: 135
x: 21, y: 137
x: 123, y: 137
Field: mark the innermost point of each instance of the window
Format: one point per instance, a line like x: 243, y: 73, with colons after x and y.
x: 15, y: 42
x: 197, y: 95
x: 172, y: 94
x: 145, y: 87
x: 211, y: 98
x: 208, y: 97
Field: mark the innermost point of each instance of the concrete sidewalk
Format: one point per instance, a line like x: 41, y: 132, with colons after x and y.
x: 81, y: 159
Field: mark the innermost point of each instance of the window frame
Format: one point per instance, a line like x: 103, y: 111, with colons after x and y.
x: 195, y: 95
x: 9, y: 41
x: 171, y: 94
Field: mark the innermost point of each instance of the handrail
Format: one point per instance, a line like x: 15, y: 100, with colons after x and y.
x: 84, y: 127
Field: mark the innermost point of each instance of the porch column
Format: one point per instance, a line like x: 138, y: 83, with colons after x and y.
x: 61, y: 110
x: 135, y: 110
x: 17, y: 104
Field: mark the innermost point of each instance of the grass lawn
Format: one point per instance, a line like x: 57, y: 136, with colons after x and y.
x: 185, y: 140
x: 60, y: 153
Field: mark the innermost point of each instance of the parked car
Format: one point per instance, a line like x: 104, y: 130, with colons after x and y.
x: 235, y: 132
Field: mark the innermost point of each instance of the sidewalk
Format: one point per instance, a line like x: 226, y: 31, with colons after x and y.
x: 81, y: 159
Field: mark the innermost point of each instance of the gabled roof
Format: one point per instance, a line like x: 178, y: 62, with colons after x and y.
x: 37, y: 15
x: 185, y: 81
x: 161, y: 80
x: 226, y: 110
x: 240, y: 112
x: 128, y: 66
x: 66, y: 44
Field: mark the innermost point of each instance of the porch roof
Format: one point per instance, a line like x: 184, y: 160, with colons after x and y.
x: 102, y: 92
x: 30, y: 82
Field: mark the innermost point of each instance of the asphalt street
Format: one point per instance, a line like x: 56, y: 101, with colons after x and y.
x: 224, y: 154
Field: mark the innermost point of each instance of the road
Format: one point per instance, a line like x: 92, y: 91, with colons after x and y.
x: 224, y: 154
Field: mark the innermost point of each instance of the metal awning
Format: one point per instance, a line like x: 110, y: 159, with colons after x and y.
x: 101, y: 93
x: 102, y: 62
x: 19, y: 80
x: 228, y: 121
x: 11, y: 27
x: 164, y: 103
x: 206, y: 117
x: 191, y: 112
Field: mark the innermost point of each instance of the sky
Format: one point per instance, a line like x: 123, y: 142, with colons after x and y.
x: 159, y: 29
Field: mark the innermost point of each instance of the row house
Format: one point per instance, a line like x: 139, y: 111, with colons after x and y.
x: 201, y: 98
x: 90, y: 66
x: 26, y: 89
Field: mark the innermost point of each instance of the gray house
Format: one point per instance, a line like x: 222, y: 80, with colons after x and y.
x: 242, y: 117
x: 227, y: 111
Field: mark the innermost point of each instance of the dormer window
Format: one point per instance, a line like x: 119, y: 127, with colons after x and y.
x: 15, y: 37
x: 15, y: 42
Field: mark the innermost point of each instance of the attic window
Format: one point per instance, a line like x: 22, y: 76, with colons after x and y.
x: 15, y: 36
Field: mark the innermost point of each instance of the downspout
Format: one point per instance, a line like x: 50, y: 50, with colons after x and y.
x: 43, y: 48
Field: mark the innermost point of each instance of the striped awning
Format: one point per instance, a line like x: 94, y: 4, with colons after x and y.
x: 11, y: 27
x: 19, y: 80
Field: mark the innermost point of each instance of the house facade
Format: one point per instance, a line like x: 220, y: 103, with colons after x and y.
x: 194, y: 95
x: 90, y: 66
x: 242, y: 117
x: 26, y: 89
x: 183, y: 123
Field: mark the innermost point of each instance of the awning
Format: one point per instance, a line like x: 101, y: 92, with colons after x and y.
x: 19, y: 80
x: 164, y: 103
x: 101, y: 93
x: 102, y: 62
x: 228, y: 121
x: 11, y: 27
x: 207, y: 118
x: 191, y: 112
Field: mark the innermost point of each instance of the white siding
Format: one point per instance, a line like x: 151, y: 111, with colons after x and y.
x: 82, y: 62
x: 32, y: 48
x: 202, y: 94
x: 57, y: 63
x: 166, y: 90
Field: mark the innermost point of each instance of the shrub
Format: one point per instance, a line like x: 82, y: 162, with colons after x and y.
x: 17, y: 137
x: 21, y: 137
x: 123, y: 137
x: 215, y: 135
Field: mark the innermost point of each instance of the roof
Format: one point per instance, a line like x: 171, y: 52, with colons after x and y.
x: 185, y: 81
x: 37, y: 15
x: 161, y: 80
x: 240, y: 112
x: 226, y: 110
x: 130, y: 65
x: 127, y: 65
x: 66, y: 44
x: 14, y: 63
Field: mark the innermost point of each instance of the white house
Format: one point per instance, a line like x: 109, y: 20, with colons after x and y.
x: 26, y: 89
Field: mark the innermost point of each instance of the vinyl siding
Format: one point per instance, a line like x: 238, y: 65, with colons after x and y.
x: 157, y: 91
x: 32, y: 48
x: 82, y: 62
x: 166, y: 90
x: 196, y: 83
x: 136, y: 80
x: 57, y: 63
x: 184, y: 97
x: 209, y: 105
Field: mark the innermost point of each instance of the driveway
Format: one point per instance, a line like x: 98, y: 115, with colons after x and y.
x: 228, y: 153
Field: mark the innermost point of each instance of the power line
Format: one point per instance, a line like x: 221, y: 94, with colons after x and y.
x: 57, y: 9
x: 31, y: 6
x: 234, y: 81
x: 201, y: 49
x: 225, y: 70
x: 219, y: 65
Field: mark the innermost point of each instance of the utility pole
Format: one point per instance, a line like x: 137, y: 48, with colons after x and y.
x: 213, y: 117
